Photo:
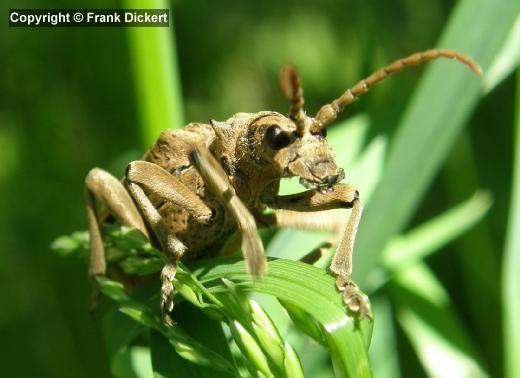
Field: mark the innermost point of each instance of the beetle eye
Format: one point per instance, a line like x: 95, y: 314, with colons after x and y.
x: 277, y: 138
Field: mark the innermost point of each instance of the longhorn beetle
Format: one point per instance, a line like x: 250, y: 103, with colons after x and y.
x: 195, y: 186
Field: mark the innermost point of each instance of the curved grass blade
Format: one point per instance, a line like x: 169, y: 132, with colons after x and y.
x: 312, y: 290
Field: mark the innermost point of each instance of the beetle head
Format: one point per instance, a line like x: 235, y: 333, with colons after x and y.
x: 292, y: 151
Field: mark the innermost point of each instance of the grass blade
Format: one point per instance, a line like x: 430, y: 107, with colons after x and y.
x: 511, y: 265
x: 384, y: 352
x: 429, y: 237
x: 184, y: 344
x: 167, y: 363
x: 125, y: 360
x: 309, y: 288
x: 440, y: 358
x: 436, y: 114
x: 506, y: 61
x: 153, y: 55
x: 426, y: 316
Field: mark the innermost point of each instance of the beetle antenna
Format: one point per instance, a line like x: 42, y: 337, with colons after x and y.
x: 329, y: 112
x: 291, y: 88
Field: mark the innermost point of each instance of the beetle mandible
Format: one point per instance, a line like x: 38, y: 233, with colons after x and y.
x: 196, y: 185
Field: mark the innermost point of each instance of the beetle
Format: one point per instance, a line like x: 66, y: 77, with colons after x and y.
x: 197, y: 185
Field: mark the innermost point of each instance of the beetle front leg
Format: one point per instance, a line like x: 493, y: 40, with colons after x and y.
x: 328, y: 220
x: 341, y: 265
x: 342, y: 196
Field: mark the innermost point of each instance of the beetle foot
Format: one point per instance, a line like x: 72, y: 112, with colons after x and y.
x: 356, y: 301
x: 167, y: 275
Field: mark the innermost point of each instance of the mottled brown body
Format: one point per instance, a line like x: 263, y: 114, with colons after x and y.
x: 197, y: 185
x: 229, y: 143
x: 171, y: 152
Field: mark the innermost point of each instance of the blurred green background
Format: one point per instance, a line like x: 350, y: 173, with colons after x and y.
x: 68, y: 102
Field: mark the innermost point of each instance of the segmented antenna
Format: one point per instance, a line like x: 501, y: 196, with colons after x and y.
x: 291, y: 88
x: 329, y: 112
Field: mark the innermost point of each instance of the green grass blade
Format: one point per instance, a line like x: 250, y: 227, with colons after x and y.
x: 511, y: 264
x: 427, y: 318
x: 125, y: 360
x: 184, y: 344
x: 309, y: 288
x: 431, y: 236
x: 439, y: 357
x: 167, y: 363
x: 384, y: 352
x: 506, y: 61
x: 476, y: 253
x: 153, y: 55
x: 437, y: 112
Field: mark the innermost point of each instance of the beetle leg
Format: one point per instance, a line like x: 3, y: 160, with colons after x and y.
x: 316, y: 220
x: 109, y: 190
x: 342, y: 196
x: 329, y: 220
x: 172, y: 247
x: 114, y: 196
x: 341, y: 265
x: 218, y: 182
x: 158, y: 181
x: 144, y: 176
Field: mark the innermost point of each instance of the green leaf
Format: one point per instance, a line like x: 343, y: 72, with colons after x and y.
x: 309, y: 288
x: 427, y: 318
x: 119, y: 332
x: 437, y: 354
x: 142, y: 266
x: 384, y: 351
x: 511, y: 264
x: 185, y: 345
x: 506, y: 60
x: 292, y: 364
x: 113, y: 289
x: 128, y: 239
x: 429, y: 237
x: 69, y: 244
x: 437, y: 112
x: 304, y: 322
x: 166, y: 362
x: 154, y: 60
x: 132, y: 362
x: 366, y: 171
x: 251, y: 349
